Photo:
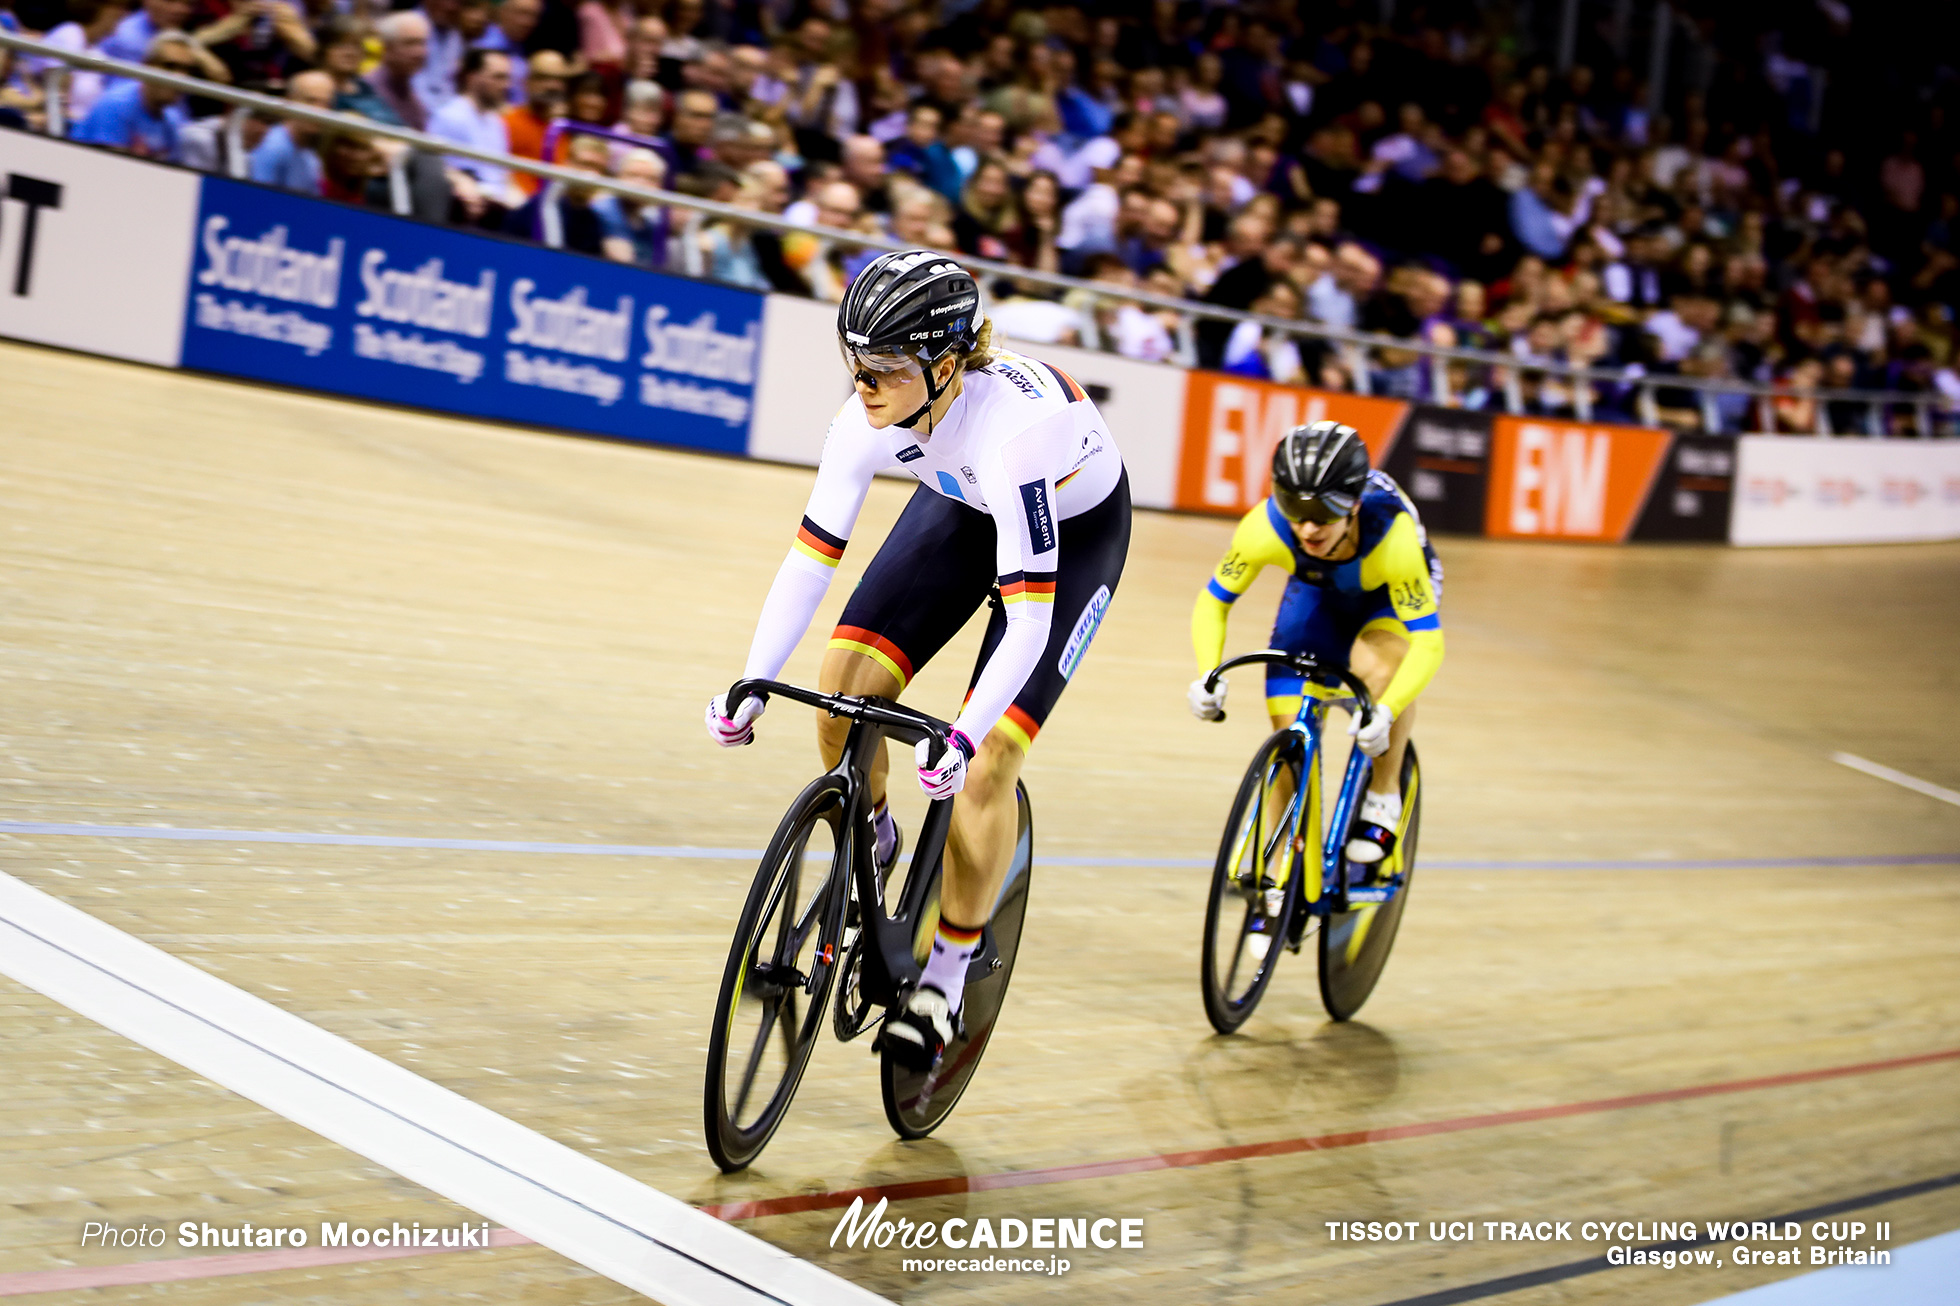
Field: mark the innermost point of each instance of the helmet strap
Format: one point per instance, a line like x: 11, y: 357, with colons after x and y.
x: 933, y: 391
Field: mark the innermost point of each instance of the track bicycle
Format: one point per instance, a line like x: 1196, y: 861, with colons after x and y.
x: 1267, y: 894
x: 820, y: 916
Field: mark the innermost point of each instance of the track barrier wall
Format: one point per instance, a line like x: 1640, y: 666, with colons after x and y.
x: 116, y: 256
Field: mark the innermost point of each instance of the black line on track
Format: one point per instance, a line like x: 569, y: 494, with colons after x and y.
x: 1594, y: 1264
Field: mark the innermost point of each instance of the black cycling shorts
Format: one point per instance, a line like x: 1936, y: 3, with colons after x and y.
x: 937, y: 567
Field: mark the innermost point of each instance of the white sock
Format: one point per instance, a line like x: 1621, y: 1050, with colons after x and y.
x: 1383, y: 809
x: 952, y: 949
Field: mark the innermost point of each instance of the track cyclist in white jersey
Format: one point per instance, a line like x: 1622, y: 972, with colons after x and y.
x: 1022, y: 493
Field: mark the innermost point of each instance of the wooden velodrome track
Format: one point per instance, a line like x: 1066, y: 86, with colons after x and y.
x: 229, y: 608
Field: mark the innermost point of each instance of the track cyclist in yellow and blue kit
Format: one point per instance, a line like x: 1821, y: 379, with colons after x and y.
x: 1364, y: 594
x: 1023, y: 496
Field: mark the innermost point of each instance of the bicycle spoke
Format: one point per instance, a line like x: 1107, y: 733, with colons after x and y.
x: 754, y: 1063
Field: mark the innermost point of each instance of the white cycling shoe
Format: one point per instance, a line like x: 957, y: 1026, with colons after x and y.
x: 919, y: 1030
x: 1373, y: 837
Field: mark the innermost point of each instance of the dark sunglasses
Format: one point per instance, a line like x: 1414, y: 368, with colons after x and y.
x: 1321, y: 511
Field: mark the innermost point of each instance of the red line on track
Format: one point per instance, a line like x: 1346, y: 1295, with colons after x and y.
x: 210, y: 1267
x: 1287, y: 1146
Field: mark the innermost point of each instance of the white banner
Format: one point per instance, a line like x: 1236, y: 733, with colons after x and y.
x: 1805, y: 490
x: 95, y: 249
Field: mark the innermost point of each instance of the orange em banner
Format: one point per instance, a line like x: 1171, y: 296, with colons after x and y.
x: 1232, y: 423
x: 1560, y: 480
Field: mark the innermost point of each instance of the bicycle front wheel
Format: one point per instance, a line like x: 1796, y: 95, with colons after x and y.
x: 780, y: 967
x: 1255, y: 885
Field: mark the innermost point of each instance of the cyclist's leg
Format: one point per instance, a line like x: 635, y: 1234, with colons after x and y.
x: 846, y: 671
x: 1307, y: 622
x: 980, y: 847
x: 1375, y: 657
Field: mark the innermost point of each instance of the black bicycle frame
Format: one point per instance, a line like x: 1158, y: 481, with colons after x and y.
x: 889, y: 968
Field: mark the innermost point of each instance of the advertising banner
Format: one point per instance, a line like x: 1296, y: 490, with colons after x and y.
x: 1848, y: 491
x: 1441, y: 459
x: 1690, y: 499
x: 94, y: 249
x: 308, y: 293
x: 1559, y: 480
x: 1231, y: 424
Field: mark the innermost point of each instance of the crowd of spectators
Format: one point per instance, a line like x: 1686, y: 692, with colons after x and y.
x: 1434, y: 180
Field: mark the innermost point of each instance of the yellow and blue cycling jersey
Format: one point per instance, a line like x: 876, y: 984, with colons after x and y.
x: 1394, y: 581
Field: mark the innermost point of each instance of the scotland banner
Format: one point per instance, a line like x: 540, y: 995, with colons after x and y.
x: 303, y: 292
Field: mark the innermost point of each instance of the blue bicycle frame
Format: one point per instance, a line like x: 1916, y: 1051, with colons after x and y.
x: 1330, y: 891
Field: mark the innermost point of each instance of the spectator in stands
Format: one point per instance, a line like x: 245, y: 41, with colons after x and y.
x: 989, y: 218
x: 864, y: 168
x: 631, y: 230
x: 259, y: 41
x: 142, y: 118
x: 602, y: 33
x: 389, y: 92
x: 1033, y: 246
x: 525, y: 124
x: 353, y: 170
x: 515, y: 21
x: 130, y: 41
x: 475, y: 117
x: 438, y: 80
x: 561, y: 215
x: 921, y: 153
x: 91, y: 23
x: 288, y: 157
x: 694, y: 122
x: 343, y: 49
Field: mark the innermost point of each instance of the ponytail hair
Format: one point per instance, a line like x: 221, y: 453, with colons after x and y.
x: 982, y: 352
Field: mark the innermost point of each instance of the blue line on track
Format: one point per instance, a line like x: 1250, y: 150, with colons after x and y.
x: 685, y: 852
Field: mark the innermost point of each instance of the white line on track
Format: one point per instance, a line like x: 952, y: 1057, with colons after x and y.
x: 602, y: 1219
x: 1900, y: 778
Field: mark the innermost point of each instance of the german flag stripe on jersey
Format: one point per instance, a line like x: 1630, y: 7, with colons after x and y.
x: 1020, y: 727
x: 1028, y: 587
x: 876, y: 647
x: 1076, y: 394
x: 1066, y: 479
x: 814, y: 542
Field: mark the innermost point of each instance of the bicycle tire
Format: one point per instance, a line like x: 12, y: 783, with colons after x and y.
x: 799, y: 930
x: 917, y: 1103
x: 1354, y: 945
x: 1260, y: 932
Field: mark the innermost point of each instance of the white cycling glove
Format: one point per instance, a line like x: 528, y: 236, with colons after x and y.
x: 1207, y: 704
x: 732, y: 731
x: 1372, y: 738
x: 947, y: 776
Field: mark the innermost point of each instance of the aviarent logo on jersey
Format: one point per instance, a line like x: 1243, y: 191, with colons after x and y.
x: 1041, y: 523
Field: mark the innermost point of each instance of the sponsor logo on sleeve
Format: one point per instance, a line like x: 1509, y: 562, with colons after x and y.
x: 1041, y: 523
x: 1086, y: 626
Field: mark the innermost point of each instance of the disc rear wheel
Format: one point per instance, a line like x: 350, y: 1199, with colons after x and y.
x: 1255, y: 885
x: 916, y: 1103
x: 1354, y: 945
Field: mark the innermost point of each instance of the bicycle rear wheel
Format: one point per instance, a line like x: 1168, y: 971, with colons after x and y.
x: 1354, y: 945
x: 915, y: 1103
x: 1254, y: 887
x: 778, y: 974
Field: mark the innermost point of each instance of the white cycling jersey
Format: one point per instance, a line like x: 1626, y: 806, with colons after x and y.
x: 1024, y: 444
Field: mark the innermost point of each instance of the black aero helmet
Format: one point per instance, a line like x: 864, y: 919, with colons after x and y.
x: 912, y: 301
x: 1319, y: 471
